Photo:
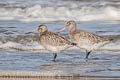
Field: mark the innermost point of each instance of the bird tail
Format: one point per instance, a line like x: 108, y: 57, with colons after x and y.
x: 110, y: 39
x: 74, y: 44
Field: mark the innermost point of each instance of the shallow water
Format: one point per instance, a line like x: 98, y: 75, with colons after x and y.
x: 21, y: 51
x: 22, y: 54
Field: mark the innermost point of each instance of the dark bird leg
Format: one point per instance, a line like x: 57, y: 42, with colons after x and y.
x: 54, y: 56
x: 87, y: 54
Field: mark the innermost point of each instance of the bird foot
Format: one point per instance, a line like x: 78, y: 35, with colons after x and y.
x: 54, y: 60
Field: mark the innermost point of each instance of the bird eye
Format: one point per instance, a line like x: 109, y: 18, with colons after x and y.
x: 39, y: 29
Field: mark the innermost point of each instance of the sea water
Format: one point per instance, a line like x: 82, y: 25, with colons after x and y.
x: 21, y: 52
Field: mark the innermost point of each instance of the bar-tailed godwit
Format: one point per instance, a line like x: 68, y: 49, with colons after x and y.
x: 85, y: 40
x: 52, y: 41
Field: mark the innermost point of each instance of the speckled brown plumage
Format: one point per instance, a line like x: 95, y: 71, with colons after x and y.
x: 53, y: 39
x: 84, y: 35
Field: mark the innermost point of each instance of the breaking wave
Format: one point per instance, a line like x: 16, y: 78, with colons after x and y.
x: 31, y: 43
x: 60, y: 11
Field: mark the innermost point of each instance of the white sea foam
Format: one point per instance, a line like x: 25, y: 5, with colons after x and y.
x: 104, y: 11
x: 18, y: 46
x: 115, y: 47
x: 112, y: 46
x: 32, y: 73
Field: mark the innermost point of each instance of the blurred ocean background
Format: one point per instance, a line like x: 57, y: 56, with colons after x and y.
x: 20, y: 50
x: 60, y: 10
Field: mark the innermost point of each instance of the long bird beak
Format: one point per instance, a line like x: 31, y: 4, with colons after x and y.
x: 64, y: 28
x: 34, y: 30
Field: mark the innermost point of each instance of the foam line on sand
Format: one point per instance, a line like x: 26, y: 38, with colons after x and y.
x: 33, y: 74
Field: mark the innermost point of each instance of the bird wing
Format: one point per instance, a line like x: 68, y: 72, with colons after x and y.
x: 54, y: 39
x: 81, y: 35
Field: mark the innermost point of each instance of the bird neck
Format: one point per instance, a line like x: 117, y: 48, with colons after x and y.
x: 43, y: 32
x: 72, y: 29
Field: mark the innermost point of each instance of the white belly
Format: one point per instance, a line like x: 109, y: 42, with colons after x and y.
x: 90, y: 47
x: 56, y: 49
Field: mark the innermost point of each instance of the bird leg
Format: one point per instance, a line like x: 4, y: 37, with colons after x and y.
x: 87, y: 54
x: 54, y: 56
